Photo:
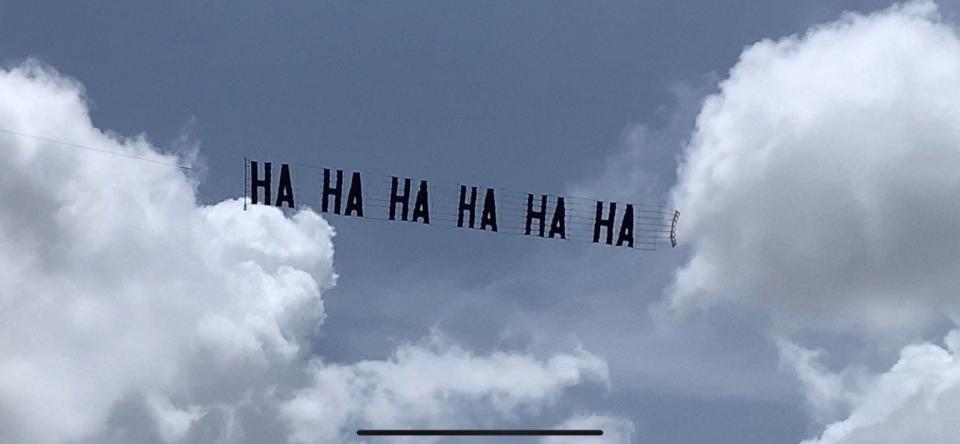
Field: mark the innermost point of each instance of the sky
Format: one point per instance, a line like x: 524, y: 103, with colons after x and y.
x: 810, y: 147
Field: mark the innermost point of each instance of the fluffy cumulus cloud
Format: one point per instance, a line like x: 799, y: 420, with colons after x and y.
x: 826, y: 393
x: 114, y: 279
x: 821, y: 180
x: 820, y: 185
x: 129, y: 312
x: 426, y: 385
x: 917, y: 400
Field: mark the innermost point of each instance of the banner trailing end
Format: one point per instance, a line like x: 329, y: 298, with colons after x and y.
x: 673, y: 229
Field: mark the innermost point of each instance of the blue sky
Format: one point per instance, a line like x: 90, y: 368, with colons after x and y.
x: 595, y: 98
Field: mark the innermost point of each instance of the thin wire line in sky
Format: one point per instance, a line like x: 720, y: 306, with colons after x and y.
x: 99, y: 150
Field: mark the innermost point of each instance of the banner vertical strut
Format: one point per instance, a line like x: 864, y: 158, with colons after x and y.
x: 673, y: 228
x: 245, y: 183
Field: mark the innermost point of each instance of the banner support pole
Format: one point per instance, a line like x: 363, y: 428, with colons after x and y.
x: 245, y: 183
x: 673, y: 229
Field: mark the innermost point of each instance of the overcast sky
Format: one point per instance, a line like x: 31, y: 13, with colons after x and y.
x: 811, y: 147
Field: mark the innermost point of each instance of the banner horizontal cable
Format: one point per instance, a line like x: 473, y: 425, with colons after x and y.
x: 95, y: 149
x: 508, y: 190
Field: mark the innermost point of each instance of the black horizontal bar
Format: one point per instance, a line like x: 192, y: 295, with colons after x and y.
x: 477, y: 432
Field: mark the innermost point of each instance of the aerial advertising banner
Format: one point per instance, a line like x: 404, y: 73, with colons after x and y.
x: 401, y: 199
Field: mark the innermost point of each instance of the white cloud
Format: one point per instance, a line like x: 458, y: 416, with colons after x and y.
x: 820, y: 185
x: 114, y: 278
x: 821, y: 181
x: 129, y: 312
x: 429, y: 385
x: 917, y: 400
x: 172, y: 422
x: 825, y: 391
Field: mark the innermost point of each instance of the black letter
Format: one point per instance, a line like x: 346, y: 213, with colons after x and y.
x: 355, y: 196
x: 404, y: 199
x: 471, y: 207
x: 421, y: 209
x: 256, y: 183
x: 539, y: 215
x: 489, y: 216
x: 598, y: 222
x: 285, y: 191
x: 559, y: 223
x: 626, y: 227
x: 332, y: 191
